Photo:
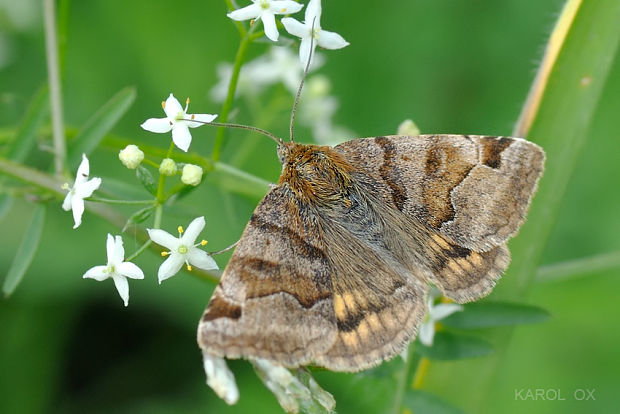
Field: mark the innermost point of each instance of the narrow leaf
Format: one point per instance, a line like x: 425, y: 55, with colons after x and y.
x: 37, y: 113
x: 420, y: 402
x: 25, y: 252
x: 488, y: 314
x: 447, y: 346
x: 138, y: 217
x: 6, y: 201
x: 146, y: 179
x: 100, y: 124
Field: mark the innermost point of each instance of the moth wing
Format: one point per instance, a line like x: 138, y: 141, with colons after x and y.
x: 377, y: 302
x: 274, y: 299
x: 474, y: 190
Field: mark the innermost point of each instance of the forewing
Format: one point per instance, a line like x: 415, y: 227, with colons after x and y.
x: 475, y: 190
x: 274, y: 299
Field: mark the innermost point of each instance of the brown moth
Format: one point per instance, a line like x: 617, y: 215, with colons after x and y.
x: 334, y: 266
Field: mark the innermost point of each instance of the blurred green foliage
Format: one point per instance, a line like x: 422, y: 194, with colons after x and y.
x: 69, y: 346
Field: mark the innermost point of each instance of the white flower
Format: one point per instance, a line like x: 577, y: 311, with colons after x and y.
x: 168, y: 167
x: 435, y: 313
x: 131, y: 156
x: 178, y: 120
x: 192, y: 174
x: 182, y: 249
x: 266, y: 10
x: 220, y: 378
x: 311, y: 28
x: 116, y: 269
x: 82, y: 188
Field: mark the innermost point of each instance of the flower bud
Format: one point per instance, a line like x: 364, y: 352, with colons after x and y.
x: 168, y: 167
x: 408, y: 127
x: 192, y: 174
x: 131, y: 156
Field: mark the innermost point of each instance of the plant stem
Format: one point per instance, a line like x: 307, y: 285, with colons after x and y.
x: 53, y: 73
x: 232, y: 87
x: 583, y: 266
x: 403, y: 378
x: 111, y: 201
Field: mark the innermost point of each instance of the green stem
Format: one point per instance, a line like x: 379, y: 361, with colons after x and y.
x: 403, y: 378
x: 151, y: 163
x: 579, y: 267
x: 111, y: 201
x: 232, y: 87
x: 53, y: 73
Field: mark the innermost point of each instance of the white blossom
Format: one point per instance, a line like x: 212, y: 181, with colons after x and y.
x: 179, y: 121
x: 311, y: 28
x: 266, y: 10
x: 435, y: 313
x: 82, y: 188
x: 116, y: 268
x: 182, y: 249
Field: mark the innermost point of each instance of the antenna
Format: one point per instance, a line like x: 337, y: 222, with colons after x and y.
x: 239, y: 126
x: 301, y: 84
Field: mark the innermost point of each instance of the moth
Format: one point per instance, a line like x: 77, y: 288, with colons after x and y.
x: 334, y: 266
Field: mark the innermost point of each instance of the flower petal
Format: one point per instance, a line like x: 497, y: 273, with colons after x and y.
x: 313, y: 13
x: 82, y: 172
x: 170, y: 266
x: 193, y: 230
x: 181, y: 136
x: 427, y: 333
x: 97, y: 273
x: 66, y: 204
x: 304, y: 50
x: 285, y: 6
x: 109, y: 248
x: 130, y: 270
x: 172, y: 107
x: 444, y: 310
x: 269, y: 23
x: 295, y: 28
x: 77, y: 205
x: 159, y: 125
x: 122, y: 286
x: 199, y: 117
x: 118, y: 254
x: 163, y: 238
x: 331, y: 40
x: 249, y: 12
x: 87, y: 188
x: 201, y: 259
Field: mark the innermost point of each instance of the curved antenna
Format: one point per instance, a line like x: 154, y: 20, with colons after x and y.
x: 239, y: 126
x: 301, y: 84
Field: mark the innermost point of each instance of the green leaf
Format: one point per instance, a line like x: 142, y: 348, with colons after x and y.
x: 6, y: 201
x: 146, y: 178
x: 488, y: 314
x: 420, y: 402
x: 100, y: 124
x: 25, y: 252
x: 139, y: 216
x: 447, y: 346
x: 37, y: 113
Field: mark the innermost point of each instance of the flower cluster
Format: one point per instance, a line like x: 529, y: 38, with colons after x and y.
x: 310, y: 31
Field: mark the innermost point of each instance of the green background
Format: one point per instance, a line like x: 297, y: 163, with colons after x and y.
x: 68, y: 345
